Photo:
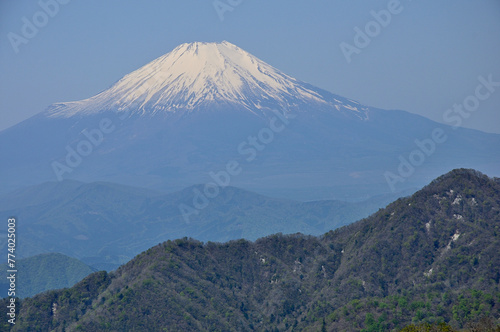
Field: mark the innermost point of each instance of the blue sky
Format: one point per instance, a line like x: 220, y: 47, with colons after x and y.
x: 425, y: 60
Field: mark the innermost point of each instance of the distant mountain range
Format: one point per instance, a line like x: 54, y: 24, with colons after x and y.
x: 211, y: 113
x: 106, y: 225
x: 431, y: 257
x: 44, y: 272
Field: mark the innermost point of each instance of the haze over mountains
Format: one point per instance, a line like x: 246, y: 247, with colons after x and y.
x: 44, y: 272
x: 187, y: 116
x: 106, y: 225
x: 210, y: 142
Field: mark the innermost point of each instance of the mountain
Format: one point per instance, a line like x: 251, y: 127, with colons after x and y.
x: 431, y: 257
x: 106, y: 224
x: 212, y: 113
x: 199, y: 75
x: 44, y: 272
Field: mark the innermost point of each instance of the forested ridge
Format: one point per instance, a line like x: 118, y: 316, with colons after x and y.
x: 431, y: 258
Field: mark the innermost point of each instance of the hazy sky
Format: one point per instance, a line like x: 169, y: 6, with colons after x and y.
x: 425, y: 60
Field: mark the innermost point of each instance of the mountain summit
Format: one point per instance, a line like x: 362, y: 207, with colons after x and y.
x: 183, y: 118
x: 199, y: 74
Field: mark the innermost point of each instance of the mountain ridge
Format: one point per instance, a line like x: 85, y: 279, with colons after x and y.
x: 378, y: 274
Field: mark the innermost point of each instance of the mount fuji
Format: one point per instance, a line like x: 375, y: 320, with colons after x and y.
x: 198, y: 76
x: 213, y: 113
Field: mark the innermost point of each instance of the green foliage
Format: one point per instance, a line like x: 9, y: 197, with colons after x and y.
x: 441, y: 327
x: 471, y: 306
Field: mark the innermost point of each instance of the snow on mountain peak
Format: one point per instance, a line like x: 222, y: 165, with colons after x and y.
x: 193, y: 75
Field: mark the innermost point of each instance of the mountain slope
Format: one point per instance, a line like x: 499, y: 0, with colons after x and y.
x: 191, y: 112
x: 415, y: 261
x: 106, y: 225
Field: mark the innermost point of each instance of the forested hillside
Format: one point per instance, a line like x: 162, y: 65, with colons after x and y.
x: 429, y: 258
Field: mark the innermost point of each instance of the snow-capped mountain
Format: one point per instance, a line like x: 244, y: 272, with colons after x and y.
x: 192, y: 114
x: 196, y: 75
